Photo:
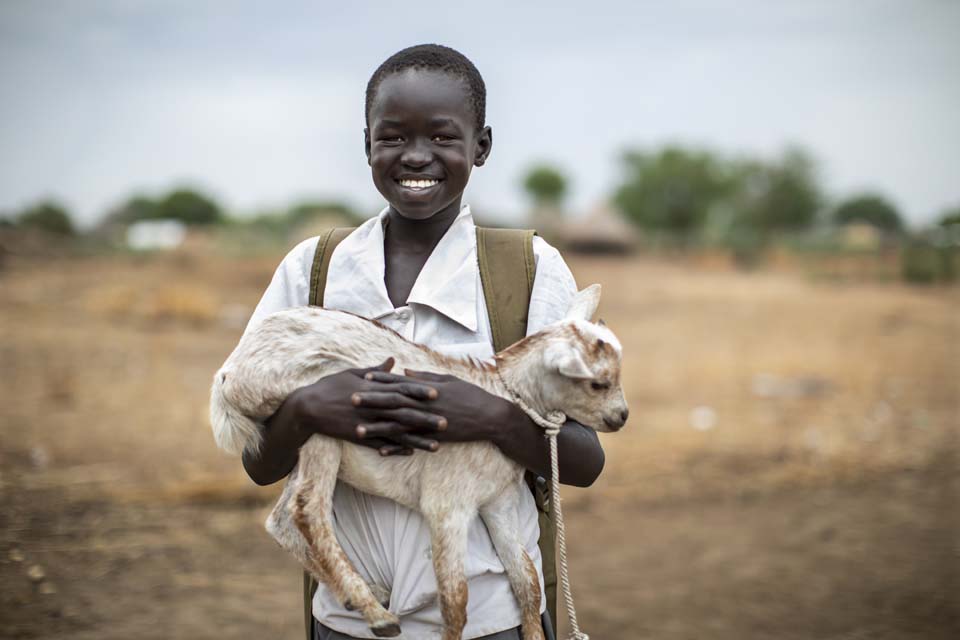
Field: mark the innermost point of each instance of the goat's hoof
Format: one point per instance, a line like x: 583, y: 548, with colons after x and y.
x: 385, y: 629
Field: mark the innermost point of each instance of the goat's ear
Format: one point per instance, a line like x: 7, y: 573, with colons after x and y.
x: 584, y: 304
x: 567, y: 361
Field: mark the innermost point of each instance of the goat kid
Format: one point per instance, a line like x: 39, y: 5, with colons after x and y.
x: 571, y: 366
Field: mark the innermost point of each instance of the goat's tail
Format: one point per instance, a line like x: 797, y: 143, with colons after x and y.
x: 233, y: 431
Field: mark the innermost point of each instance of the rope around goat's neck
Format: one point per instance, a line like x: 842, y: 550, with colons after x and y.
x: 551, y: 424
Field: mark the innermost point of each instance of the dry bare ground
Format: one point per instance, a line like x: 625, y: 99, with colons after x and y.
x: 789, y: 470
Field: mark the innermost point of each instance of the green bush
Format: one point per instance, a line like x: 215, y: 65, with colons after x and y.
x: 545, y: 184
x: 47, y: 216
x: 190, y: 207
x: 950, y: 217
x: 921, y: 262
x: 871, y: 209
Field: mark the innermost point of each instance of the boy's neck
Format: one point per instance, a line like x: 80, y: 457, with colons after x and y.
x: 420, y: 235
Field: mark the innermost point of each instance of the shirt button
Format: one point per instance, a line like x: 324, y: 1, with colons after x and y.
x: 403, y: 314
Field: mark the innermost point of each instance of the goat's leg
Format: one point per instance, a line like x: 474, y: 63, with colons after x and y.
x: 448, y: 537
x: 280, y: 525
x: 500, y: 516
x: 312, y: 512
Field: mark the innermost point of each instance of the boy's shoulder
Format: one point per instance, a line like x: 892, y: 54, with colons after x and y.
x: 302, y: 254
x: 298, y: 264
x: 542, y: 248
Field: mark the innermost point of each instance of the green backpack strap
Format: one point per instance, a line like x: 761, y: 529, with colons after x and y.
x: 502, y: 255
x: 326, y: 243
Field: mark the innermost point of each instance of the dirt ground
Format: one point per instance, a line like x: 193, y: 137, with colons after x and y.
x: 790, y: 468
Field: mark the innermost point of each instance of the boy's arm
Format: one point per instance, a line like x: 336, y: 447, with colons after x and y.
x: 579, y: 454
x: 473, y: 414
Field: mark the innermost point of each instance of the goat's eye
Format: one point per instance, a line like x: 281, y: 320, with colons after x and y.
x: 599, y: 386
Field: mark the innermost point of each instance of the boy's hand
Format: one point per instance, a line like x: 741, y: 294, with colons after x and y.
x: 392, y: 416
x: 471, y: 413
x: 468, y: 412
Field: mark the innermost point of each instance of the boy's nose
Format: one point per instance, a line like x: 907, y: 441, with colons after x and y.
x: 416, y: 155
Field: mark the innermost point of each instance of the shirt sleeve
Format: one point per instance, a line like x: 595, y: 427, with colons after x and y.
x: 290, y: 285
x: 553, y: 287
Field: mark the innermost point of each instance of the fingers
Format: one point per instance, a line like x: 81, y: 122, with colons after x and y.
x: 387, y: 447
x: 385, y: 435
x: 415, y: 418
x: 379, y: 430
x: 418, y: 391
x: 402, y: 384
x: 403, y: 423
x: 383, y: 376
x: 384, y: 366
x: 418, y: 442
x: 426, y: 375
x: 391, y: 399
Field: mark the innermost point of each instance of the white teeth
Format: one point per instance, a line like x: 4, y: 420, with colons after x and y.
x: 418, y: 184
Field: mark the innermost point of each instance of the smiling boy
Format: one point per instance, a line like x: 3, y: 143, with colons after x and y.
x: 414, y: 269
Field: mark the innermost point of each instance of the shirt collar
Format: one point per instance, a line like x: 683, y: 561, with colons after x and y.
x: 447, y: 282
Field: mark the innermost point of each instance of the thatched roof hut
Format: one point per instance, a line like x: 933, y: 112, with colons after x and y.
x: 602, y: 230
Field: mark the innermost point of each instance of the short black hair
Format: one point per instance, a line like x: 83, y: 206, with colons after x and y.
x: 438, y: 58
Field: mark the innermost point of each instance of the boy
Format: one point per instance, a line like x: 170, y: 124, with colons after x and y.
x: 414, y: 269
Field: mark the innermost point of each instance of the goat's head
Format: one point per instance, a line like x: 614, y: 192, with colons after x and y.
x: 582, y: 361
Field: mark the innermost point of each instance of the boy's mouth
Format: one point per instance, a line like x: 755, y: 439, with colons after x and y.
x: 420, y: 184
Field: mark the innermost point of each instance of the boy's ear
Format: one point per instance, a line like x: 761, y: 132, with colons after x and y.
x: 484, y: 144
x: 366, y: 143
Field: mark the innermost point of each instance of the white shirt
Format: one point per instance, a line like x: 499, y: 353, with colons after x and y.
x: 387, y: 543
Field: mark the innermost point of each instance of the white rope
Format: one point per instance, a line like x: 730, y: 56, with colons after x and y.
x: 551, y: 424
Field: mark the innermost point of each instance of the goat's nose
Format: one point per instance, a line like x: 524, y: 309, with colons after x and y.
x: 624, y: 414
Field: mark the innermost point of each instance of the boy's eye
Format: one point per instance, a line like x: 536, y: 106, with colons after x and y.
x: 441, y: 138
x: 391, y: 139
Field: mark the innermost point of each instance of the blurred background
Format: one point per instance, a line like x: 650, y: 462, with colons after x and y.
x: 768, y: 192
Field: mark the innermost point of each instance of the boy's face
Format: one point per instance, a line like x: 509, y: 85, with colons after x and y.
x: 422, y: 142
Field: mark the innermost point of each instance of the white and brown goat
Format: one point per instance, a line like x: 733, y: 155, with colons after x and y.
x: 571, y: 366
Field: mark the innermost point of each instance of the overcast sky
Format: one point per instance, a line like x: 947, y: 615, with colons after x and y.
x: 261, y: 103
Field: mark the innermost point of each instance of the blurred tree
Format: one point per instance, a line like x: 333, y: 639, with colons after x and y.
x: 871, y: 209
x: 140, y: 208
x: 134, y: 209
x: 783, y: 195
x: 950, y: 217
x: 47, y: 216
x: 545, y: 185
x: 671, y: 189
x: 305, y: 211
x: 190, y: 207
x: 923, y: 262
